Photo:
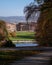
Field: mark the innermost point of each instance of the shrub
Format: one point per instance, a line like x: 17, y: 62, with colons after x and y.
x: 8, y: 43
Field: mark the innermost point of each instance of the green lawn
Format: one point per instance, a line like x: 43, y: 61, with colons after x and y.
x: 22, y: 35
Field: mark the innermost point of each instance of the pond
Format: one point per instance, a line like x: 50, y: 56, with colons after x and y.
x: 24, y: 44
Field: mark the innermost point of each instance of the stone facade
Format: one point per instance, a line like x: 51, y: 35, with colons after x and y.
x: 11, y: 27
x: 31, y: 26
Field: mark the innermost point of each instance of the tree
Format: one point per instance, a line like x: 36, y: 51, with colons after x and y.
x: 3, y: 30
x: 4, y: 39
x: 44, y: 24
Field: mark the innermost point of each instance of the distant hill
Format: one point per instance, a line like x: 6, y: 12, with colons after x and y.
x: 13, y: 19
x: 16, y: 19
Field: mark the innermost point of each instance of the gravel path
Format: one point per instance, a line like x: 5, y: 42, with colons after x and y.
x: 39, y: 59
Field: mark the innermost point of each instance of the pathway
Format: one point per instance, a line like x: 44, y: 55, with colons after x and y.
x: 39, y: 59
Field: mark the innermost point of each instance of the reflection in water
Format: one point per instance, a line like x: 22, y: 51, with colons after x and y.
x: 23, y: 44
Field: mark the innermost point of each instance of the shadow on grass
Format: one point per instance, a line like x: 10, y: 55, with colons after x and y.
x: 26, y: 37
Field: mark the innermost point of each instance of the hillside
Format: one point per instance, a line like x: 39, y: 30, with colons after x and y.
x: 14, y: 19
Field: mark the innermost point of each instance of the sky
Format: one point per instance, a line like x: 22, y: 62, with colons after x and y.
x: 13, y: 7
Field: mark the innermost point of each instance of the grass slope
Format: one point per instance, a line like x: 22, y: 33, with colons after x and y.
x: 22, y: 35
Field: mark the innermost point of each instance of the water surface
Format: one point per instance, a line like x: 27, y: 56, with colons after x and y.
x: 24, y: 44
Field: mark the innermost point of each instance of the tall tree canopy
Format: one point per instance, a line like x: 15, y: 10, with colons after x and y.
x: 44, y: 24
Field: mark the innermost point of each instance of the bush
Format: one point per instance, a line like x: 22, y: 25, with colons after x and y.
x: 8, y: 43
x: 12, y: 34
